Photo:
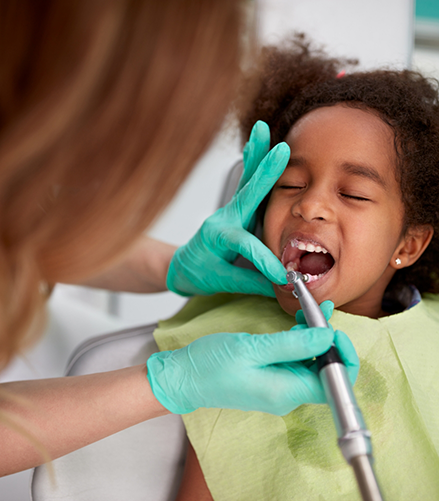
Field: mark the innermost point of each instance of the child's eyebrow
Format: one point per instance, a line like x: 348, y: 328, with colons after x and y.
x: 353, y: 169
x: 366, y: 171
x: 296, y: 161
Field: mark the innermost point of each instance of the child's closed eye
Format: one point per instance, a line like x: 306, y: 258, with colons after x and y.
x: 355, y: 197
x: 290, y: 187
x: 344, y: 195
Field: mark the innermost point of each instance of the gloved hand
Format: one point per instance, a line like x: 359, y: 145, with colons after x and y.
x: 204, y: 264
x: 243, y: 371
x: 342, y: 342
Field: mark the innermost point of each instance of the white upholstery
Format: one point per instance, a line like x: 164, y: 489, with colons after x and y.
x: 144, y: 462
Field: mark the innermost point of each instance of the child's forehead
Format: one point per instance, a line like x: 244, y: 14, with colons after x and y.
x: 362, y: 118
x: 359, y: 130
x: 340, y: 135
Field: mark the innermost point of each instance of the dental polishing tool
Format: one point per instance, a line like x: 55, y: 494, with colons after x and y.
x: 354, y: 439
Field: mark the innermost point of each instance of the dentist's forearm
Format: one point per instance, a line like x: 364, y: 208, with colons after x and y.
x: 143, y: 270
x: 65, y: 414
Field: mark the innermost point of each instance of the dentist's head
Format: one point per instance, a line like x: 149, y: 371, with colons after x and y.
x: 105, y: 105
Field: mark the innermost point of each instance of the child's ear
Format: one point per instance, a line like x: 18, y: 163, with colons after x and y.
x: 411, y: 247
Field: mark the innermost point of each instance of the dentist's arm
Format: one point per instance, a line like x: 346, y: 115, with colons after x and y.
x: 143, y: 269
x: 236, y: 371
x: 65, y: 414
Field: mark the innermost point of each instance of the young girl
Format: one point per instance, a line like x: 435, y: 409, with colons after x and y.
x: 357, y: 208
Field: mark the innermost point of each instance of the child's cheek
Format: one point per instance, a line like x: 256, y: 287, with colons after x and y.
x: 287, y: 301
x: 270, y: 233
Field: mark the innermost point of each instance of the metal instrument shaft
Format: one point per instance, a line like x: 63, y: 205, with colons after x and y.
x: 354, y: 439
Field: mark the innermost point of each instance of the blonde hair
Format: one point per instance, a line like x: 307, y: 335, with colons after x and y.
x: 105, y: 105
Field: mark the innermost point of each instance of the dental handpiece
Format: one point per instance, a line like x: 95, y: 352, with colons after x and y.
x: 354, y: 439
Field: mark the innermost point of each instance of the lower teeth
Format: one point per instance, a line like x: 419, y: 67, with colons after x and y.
x: 313, y: 278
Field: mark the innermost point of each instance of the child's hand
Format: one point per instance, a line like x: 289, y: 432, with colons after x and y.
x: 342, y: 342
x: 242, y: 371
x: 204, y: 264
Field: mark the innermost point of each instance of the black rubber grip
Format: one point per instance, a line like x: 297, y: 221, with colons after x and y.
x: 330, y: 357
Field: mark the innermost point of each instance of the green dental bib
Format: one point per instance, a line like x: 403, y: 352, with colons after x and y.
x: 251, y: 456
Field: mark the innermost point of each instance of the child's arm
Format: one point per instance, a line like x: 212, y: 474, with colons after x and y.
x: 193, y: 486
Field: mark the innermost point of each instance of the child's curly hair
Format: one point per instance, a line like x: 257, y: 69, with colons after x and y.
x: 296, y: 79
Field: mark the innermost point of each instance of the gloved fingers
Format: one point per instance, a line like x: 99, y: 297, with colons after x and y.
x: 306, y: 385
x: 327, y: 308
x: 288, y: 346
x: 242, y: 242
x: 255, y: 150
x: 229, y: 278
x: 266, y: 175
x: 219, y: 370
x: 347, y: 354
x: 187, y: 270
x: 291, y: 385
x: 299, y: 327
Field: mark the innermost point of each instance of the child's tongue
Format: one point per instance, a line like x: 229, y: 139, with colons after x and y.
x: 316, y: 263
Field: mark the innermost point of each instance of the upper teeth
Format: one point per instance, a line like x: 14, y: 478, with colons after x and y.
x: 308, y: 246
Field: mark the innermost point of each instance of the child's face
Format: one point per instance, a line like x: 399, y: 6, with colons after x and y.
x: 336, y: 213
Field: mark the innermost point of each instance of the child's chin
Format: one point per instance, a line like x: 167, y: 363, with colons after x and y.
x: 287, y: 301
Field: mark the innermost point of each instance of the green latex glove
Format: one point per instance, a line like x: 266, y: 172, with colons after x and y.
x: 243, y: 371
x: 342, y: 342
x: 204, y: 264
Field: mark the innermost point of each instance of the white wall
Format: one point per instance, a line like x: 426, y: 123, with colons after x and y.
x: 378, y: 32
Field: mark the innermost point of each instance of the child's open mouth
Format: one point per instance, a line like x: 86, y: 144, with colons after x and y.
x: 307, y: 257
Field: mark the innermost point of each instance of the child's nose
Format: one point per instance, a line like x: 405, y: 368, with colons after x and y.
x: 313, y: 205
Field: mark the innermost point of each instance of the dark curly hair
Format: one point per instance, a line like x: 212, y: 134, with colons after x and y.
x: 295, y: 79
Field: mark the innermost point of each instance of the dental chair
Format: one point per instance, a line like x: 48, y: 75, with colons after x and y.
x: 144, y: 462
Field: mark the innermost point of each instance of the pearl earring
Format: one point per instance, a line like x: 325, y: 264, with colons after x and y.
x: 398, y: 261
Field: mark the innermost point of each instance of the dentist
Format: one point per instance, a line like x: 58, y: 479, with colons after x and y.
x: 105, y: 106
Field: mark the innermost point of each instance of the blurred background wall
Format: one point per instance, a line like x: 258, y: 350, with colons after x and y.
x: 426, y: 37
x: 396, y: 33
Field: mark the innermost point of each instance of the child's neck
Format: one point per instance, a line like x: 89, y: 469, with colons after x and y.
x: 369, y: 307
